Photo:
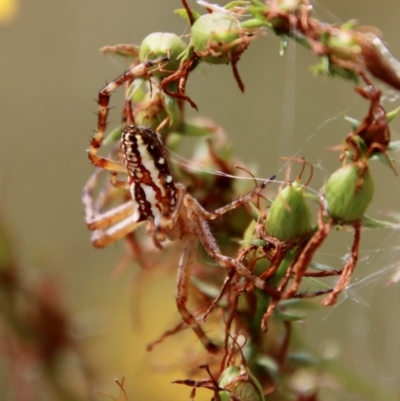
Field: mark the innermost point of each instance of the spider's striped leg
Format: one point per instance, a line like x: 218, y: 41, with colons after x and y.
x: 121, y: 229
x: 117, y: 222
x: 139, y: 70
x: 182, y: 291
x: 92, y: 208
x: 192, y: 203
x: 93, y: 217
x: 110, y: 217
x: 210, y: 245
x: 106, y: 195
x: 116, y: 183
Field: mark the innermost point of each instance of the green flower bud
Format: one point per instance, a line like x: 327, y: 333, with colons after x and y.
x: 289, y: 217
x: 348, y: 192
x: 212, y: 37
x: 240, y: 382
x: 162, y: 44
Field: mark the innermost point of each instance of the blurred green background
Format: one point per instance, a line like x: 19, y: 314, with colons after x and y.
x: 50, y: 73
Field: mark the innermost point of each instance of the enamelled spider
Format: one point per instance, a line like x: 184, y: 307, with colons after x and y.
x: 153, y: 196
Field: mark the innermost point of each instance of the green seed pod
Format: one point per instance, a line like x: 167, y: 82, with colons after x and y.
x: 162, y: 44
x: 348, y: 192
x: 212, y: 37
x: 289, y: 217
x: 240, y: 382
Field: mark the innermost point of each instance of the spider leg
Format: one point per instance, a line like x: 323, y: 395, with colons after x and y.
x: 118, y: 183
x: 192, y: 203
x: 93, y: 218
x: 139, y: 70
x: 87, y: 193
x: 182, y: 291
x: 211, y: 247
x: 117, y: 221
x: 110, y: 217
x: 198, y: 214
x: 225, y: 284
x: 101, y: 239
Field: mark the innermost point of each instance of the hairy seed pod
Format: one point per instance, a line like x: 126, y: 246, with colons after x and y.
x: 289, y: 217
x: 348, y: 192
x: 240, y: 382
x: 213, y: 37
x: 162, y: 44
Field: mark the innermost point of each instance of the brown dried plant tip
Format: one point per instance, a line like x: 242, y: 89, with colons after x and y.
x: 373, y: 134
x: 343, y: 50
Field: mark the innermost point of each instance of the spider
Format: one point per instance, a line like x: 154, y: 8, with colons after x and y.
x: 155, y: 197
x: 152, y: 195
x: 172, y: 213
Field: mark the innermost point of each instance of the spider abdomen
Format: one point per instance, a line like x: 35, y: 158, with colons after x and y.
x: 151, y: 182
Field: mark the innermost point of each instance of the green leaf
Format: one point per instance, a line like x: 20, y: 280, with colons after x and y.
x: 353, y: 122
x: 196, y: 130
x: 181, y: 12
x: 270, y: 366
x: 254, y: 23
x: 205, y: 288
x: 369, y: 222
x: 392, y: 114
x: 255, y: 213
x: 236, y: 3
x: 394, y: 145
x: 303, y: 358
x: 113, y: 136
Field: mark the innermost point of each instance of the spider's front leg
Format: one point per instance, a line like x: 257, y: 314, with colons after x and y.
x: 113, y: 224
x: 174, y: 226
x: 198, y: 214
x: 139, y: 70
